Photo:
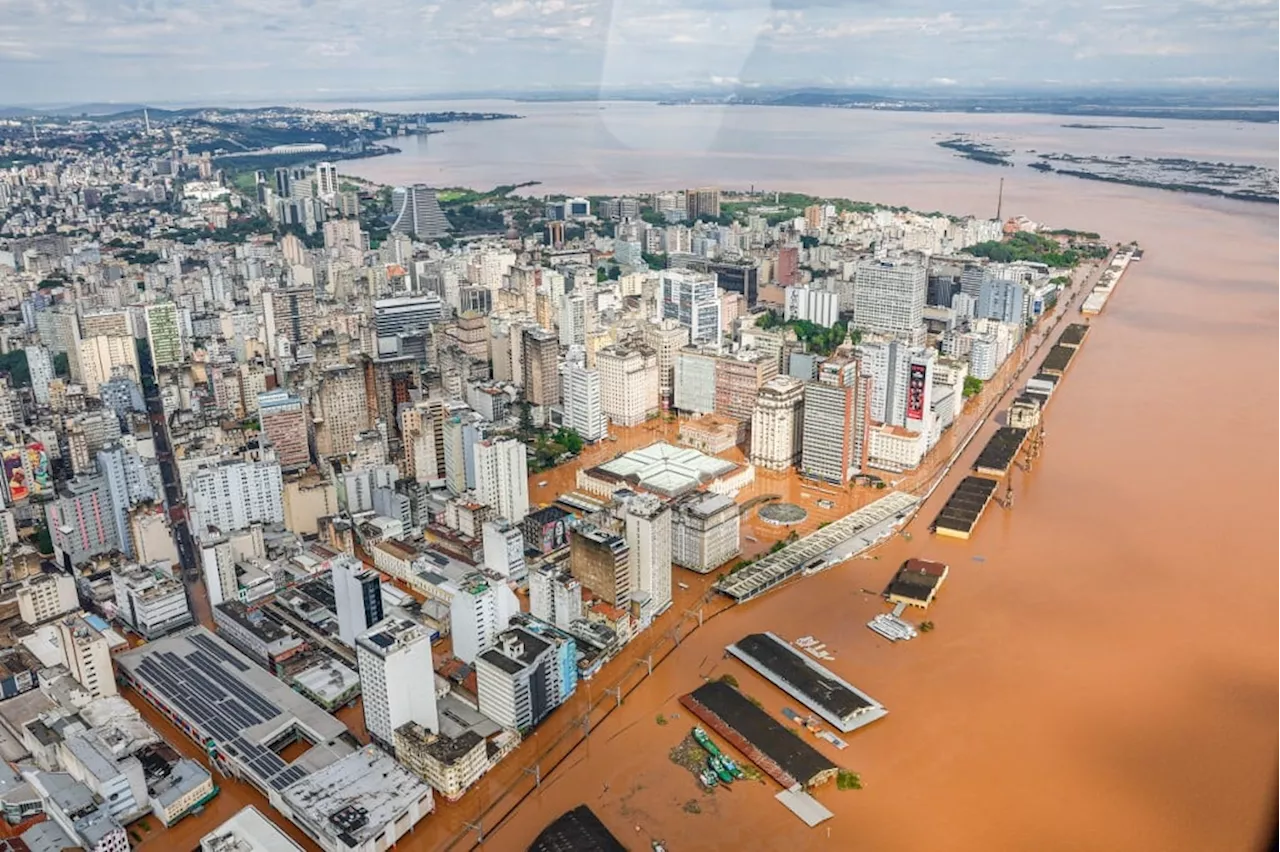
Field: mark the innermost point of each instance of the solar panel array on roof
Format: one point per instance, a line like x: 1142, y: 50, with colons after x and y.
x: 220, y: 705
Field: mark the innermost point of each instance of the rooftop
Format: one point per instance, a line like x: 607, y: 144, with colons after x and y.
x: 664, y: 469
x: 248, y: 831
x: 356, y: 798
x: 838, y: 702
x: 226, y: 698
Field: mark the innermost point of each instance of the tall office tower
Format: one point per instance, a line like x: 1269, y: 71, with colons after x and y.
x: 293, y: 249
x: 357, y: 595
x: 231, y: 495
x: 523, y: 677
x: 343, y: 410
x: 889, y: 296
x: 702, y: 202
x: 326, y: 181
x: 666, y: 338
x: 1004, y: 301
x: 777, y: 424
x: 463, y: 429
x: 602, y: 562
x: 88, y: 657
x: 40, y: 366
x: 290, y: 315
x: 479, y: 611
x: 502, y: 478
x: 164, y: 335
x: 582, y: 402
x: 575, y: 319
x: 629, y: 380
x: 94, y: 323
x: 422, y: 432
x: 80, y: 521
x: 284, y: 182
x: 104, y: 357
x: 690, y: 298
x: 541, y: 367
x: 283, y: 421
x: 902, y: 381
x: 648, y: 531
x: 397, y: 678
x: 788, y: 266
x: 59, y: 327
x: 398, y: 321
x: 418, y: 212
x: 836, y: 418
x: 130, y: 480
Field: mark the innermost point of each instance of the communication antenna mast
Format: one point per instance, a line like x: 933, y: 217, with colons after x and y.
x: 146, y: 117
x: 1000, y: 199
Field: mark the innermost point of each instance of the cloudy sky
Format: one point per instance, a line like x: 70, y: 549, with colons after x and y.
x: 55, y: 51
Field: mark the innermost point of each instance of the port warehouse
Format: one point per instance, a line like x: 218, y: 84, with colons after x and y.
x: 1058, y: 360
x: 1073, y: 335
x: 916, y: 583
x: 837, y: 701
x: 782, y: 755
x: 997, y: 456
x: 771, y: 569
x: 964, y: 508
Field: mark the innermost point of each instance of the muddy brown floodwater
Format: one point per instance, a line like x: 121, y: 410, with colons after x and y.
x: 1103, y: 670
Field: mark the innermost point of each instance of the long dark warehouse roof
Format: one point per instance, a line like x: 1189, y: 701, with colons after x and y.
x: 1000, y: 451
x: 786, y: 664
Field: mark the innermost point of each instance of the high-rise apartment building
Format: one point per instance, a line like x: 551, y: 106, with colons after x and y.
x: 901, y: 382
x: 577, y: 318
x: 44, y: 597
x: 164, y: 335
x: 583, y: 411
x: 341, y: 411
x: 648, y: 533
x: 601, y: 561
x: 541, y: 367
x: 326, y: 181
x: 524, y: 677
x: 504, y: 549
x: 463, y: 429
x: 88, y: 656
x: 629, y: 381
x: 690, y: 298
x: 40, y: 367
x: 397, y: 678
x: 836, y: 419
x: 230, y: 495
x: 290, y: 315
x: 80, y: 521
x: 357, y: 595
x: 555, y: 596
x: 820, y: 307
x: 502, y: 477
x: 666, y: 338
x: 788, y: 270
x: 479, y: 611
x: 705, y: 531
x: 283, y: 421
x: 889, y: 296
x: 777, y: 423
x: 417, y: 212
x: 104, y: 357
x: 703, y: 202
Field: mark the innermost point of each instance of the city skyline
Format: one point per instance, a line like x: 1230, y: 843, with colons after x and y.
x: 237, y: 52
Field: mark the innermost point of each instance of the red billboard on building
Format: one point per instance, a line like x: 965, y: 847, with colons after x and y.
x: 915, y: 391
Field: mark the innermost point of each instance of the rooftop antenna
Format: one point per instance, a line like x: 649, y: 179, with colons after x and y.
x: 35, y: 134
x: 146, y: 117
x: 1000, y: 199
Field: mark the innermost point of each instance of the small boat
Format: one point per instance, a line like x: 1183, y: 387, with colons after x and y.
x: 733, y: 767
x: 708, y: 778
x: 657, y: 845
x: 717, y: 766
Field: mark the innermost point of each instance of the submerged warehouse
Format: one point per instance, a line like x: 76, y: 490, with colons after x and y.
x: 837, y: 701
x: 781, y: 754
x: 962, y: 510
x: 997, y: 456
